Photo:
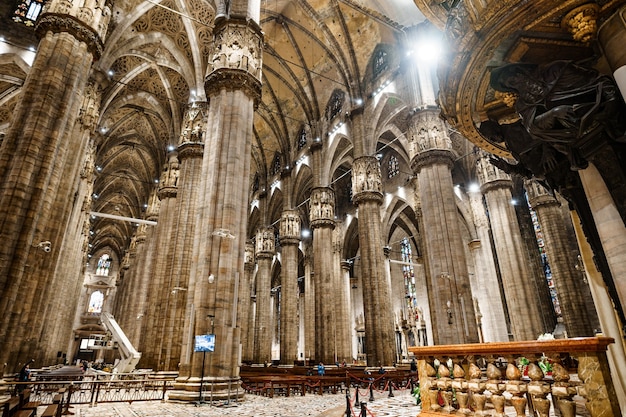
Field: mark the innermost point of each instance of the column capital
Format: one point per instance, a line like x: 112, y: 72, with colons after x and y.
x: 290, y: 227
x: 265, y: 246
x: 538, y: 195
x: 432, y: 157
x: 366, y: 180
x: 57, y: 23
x: 322, y: 207
x: 496, y: 184
x: 236, y: 58
x: 190, y: 150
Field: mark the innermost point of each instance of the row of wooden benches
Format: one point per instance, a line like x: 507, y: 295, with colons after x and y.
x: 20, y: 405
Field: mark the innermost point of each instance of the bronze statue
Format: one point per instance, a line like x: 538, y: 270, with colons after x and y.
x: 565, y: 105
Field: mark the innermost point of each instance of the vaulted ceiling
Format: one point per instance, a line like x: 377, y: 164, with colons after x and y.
x: 155, y: 62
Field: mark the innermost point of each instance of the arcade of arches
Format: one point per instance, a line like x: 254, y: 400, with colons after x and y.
x: 304, y: 181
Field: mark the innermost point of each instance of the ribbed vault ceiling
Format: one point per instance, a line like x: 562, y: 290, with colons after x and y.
x: 155, y: 63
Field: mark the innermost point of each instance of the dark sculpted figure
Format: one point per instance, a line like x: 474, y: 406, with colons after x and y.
x: 570, y: 116
x: 565, y: 105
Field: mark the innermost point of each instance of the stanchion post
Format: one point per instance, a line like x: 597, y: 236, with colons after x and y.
x: 348, y: 413
x: 356, y: 401
x: 371, y: 393
x: 390, y: 389
x: 363, y: 409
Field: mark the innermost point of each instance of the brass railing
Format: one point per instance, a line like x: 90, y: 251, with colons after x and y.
x: 532, y: 376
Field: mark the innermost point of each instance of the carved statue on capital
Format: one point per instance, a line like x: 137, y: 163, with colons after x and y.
x: 366, y: 176
x: 237, y: 46
x: 194, y: 122
x: 169, y: 177
x: 322, y: 205
x: 249, y: 254
x: 427, y: 131
x: 265, y: 241
x: 486, y: 171
x: 290, y: 225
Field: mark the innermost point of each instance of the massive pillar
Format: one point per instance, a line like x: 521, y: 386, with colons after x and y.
x: 246, y: 306
x: 379, y: 324
x: 162, y: 294
x: 36, y: 191
x: 289, y: 240
x: 263, y: 323
x: 521, y: 297
x: 190, y: 151
x: 309, y: 306
x: 562, y: 253
x: 322, y: 221
x: 233, y: 88
x: 485, y: 283
x: 450, y: 296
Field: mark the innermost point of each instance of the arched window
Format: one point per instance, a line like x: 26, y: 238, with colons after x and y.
x: 95, y: 302
x: 277, y: 164
x: 301, y: 138
x: 381, y: 62
x: 104, y: 264
x: 393, y: 168
x: 28, y: 11
x: 335, y: 104
x: 409, y: 275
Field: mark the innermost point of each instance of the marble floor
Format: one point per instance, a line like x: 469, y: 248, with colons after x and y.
x: 327, y: 405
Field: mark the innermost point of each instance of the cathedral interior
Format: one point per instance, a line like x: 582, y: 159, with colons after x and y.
x: 308, y: 181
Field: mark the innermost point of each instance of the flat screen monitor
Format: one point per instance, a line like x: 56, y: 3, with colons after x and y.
x: 204, y: 343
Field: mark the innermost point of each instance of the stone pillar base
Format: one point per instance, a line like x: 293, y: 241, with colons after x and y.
x: 213, y: 389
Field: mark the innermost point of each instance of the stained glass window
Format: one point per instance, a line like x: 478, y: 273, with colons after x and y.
x: 335, y: 104
x: 381, y: 62
x: 409, y: 275
x: 28, y: 11
x: 104, y: 264
x: 301, y: 138
x: 393, y: 167
x: 276, y: 165
x: 95, y: 302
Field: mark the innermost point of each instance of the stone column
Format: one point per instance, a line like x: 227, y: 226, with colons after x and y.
x: 322, y: 221
x: 379, y: 324
x: 612, y: 36
x: 263, y: 323
x: 246, y: 306
x: 146, y: 256
x: 611, y: 229
x: 163, y: 295
x: 289, y: 241
x: 349, y: 313
x: 562, y: 253
x: 521, y: 298
x: 309, y: 306
x: 450, y: 296
x: 36, y: 191
x: 190, y: 152
x: 233, y: 88
x: 485, y: 283
x: 65, y: 288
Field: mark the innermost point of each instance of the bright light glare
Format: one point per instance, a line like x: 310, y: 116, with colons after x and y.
x: 474, y: 188
x: 428, y: 50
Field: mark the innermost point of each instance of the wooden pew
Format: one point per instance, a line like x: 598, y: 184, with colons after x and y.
x: 53, y: 410
x: 10, y: 406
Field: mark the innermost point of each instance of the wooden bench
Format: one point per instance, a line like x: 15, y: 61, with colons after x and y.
x: 10, y: 406
x: 24, y: 413
x: 53, y: 410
